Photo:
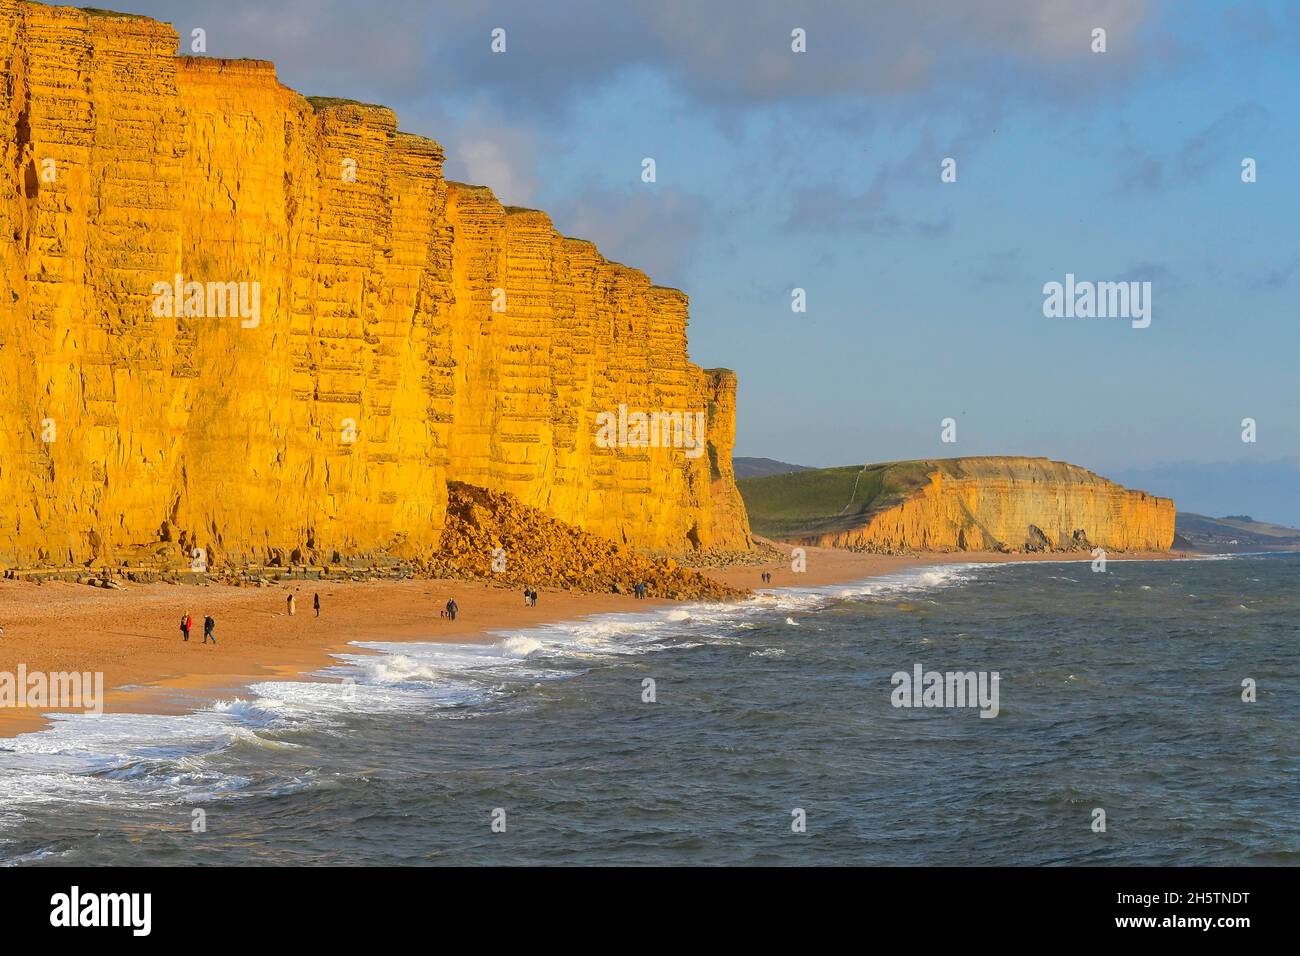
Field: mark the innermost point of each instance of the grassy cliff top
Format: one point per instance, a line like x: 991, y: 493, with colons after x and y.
x: 326, y: 102
x: 838, y: 499
x: 110, y: 14
x: 827, y: 498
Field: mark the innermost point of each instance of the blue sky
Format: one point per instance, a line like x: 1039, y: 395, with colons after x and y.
x: 820, y: 170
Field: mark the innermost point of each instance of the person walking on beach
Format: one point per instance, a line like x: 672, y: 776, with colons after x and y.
x: 209, y: 625
x: 452, y: 609
x: 315, y: 603
x: 292, y: 607
x: 528, y: 597
x: 185, y: 625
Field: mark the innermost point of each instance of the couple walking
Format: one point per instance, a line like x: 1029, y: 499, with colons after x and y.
x: 293, y: 604
x: 209, y: 626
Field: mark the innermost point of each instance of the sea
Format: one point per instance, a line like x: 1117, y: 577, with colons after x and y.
x: 1146, y: 715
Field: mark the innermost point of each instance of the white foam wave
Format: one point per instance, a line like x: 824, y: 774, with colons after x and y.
x: 886, y: 586
x: 520, y: 646
x: 152, y: 757
x: 140, y: 759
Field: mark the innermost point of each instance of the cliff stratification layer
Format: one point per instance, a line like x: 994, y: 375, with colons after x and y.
x: 363, y: 331
x: 959, y: 504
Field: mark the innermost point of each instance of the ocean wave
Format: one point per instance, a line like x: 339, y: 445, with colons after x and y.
x: 158, y: 758
x: 520, y: 646
x: 138, y: 759
x: 925, y: 579
x: 35, y: 856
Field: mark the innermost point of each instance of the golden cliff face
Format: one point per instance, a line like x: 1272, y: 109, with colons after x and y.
x: 1012, y: 504
x: 730, y: 522
x: 364, y: 331
x: 555, y: 337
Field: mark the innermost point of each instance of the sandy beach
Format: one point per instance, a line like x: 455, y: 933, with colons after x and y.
x: 133, y: 637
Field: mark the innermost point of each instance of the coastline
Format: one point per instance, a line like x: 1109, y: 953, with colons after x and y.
x: 133, y: 638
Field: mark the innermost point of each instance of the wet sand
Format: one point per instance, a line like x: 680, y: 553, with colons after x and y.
x: 133, y: 636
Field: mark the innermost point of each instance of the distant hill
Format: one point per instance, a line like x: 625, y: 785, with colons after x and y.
x: 994, y: 503
x: 1235, y: 533
x: 762, y: 467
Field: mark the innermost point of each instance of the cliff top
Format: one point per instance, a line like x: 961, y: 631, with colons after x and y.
x: 329, y: 102
x: 827, y: 500
x: 113, y: 14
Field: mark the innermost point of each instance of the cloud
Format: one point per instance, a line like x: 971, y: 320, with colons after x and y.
x: 488, y: 150
x: 830, y: 207
x: 738, y: 50
x: 727, y: 52
x: 997, y: 268
x: 832, y: 210
x: 1227, y: 139
x: 1158, y: 274
x: 1275, y: 278
x: 1222, y: 143
x: 488, y: 161
x: 654, y: 228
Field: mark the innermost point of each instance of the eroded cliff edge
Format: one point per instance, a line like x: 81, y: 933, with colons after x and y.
x: 410, y: 331
x: 1000, y: 503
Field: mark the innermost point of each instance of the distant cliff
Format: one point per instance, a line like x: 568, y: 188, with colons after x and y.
x: 349, y: 331
x: 959, y: 504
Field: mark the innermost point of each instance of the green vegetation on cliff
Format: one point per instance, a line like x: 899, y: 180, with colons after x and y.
x: 826, y: 499
x: 990, y: 503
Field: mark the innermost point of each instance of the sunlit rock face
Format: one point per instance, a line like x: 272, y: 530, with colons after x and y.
x: 239, y: 320
x: 1011, y: 504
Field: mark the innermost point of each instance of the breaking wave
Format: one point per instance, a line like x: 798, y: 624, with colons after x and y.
x: 152, y: 760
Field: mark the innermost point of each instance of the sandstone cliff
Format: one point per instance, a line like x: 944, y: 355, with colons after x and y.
x: 408, y: 331
x: 959, y: 504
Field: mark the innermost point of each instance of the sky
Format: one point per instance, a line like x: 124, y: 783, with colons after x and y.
x: 820, y: 170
